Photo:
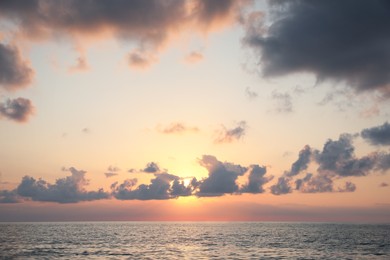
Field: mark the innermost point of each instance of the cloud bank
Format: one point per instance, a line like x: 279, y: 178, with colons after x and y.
x: 336, y: 160
x: 70, y: 189
x: 314, y: 171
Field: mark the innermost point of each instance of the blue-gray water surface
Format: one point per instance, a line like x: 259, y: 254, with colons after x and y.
x: 193, y: 240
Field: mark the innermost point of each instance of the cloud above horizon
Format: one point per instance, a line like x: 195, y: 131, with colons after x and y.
x: 228, y: 135
x: 177, y: 128
x: 19, y: 109
x: 340, y: 41
x: 70, y: 189
x: 336, y: 161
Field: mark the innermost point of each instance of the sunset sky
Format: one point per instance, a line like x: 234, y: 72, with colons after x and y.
x: 195, y: 110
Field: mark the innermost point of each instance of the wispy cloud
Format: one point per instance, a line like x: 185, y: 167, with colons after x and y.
x: 250, y: 93
x: 81, y: 65
x: 228, y: 135
x: 177, y: 128
x: 283, y: 102
x: 194, y: 57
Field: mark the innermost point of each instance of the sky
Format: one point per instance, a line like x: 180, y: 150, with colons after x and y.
x: 195, y: 110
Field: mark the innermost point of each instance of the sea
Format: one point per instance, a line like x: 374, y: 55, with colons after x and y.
x: 194, y: 240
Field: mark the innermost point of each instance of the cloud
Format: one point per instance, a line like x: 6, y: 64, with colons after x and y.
x: 348, y: 187
x: 86, y: 130
x: 81, y: 65
x: 194, y: 57
x: 110, y: 174
x: 9, y: 196
x: 221, y: 180
x: 302, y: 162
x: 140, y: 59
x: 179, y: 188
x: 379, y: 135
x: 230, y: 135
x: 222, y: 177
x: 70, y: 189
x: 113, y: 168
x: 250, y: 93
x: 284, y: 103
x: 317, y: 183
x: 147, y: 23
x: 281, y: 187
x: 163, y: 186
x: 336, y: 160
x: 338, y: 157
x: 177, y: 128
x: 256, y: 180
x: 19, y: 109
x: 14, y: 72
x: 151, y: 167
x: 335, y: 40
x: 383, y: 184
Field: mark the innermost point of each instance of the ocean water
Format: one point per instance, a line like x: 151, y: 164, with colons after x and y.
x: 193, y: 240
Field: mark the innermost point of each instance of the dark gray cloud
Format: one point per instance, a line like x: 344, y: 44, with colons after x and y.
x: 222, y: 177
x: 256, y: 180
x: 317, y: 183
x: 151, y: 167
x: 383, y: 161
x: 7, y: 196
x: 336, y: 160
x: 14, y: 72
x: 232, y: 134
x: 322, y: 182
x: 379, y: 135
x: 177, y: 128
x: 19, y: 109
x: 338, y: 157
x: 179, y: 189
x: 163, y: 186
x: 348, y: 187
x: 70, y: 189
x: 282, y: 186
x: 299, y: 182
x: 336, y: 40
x: 302, y: 162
